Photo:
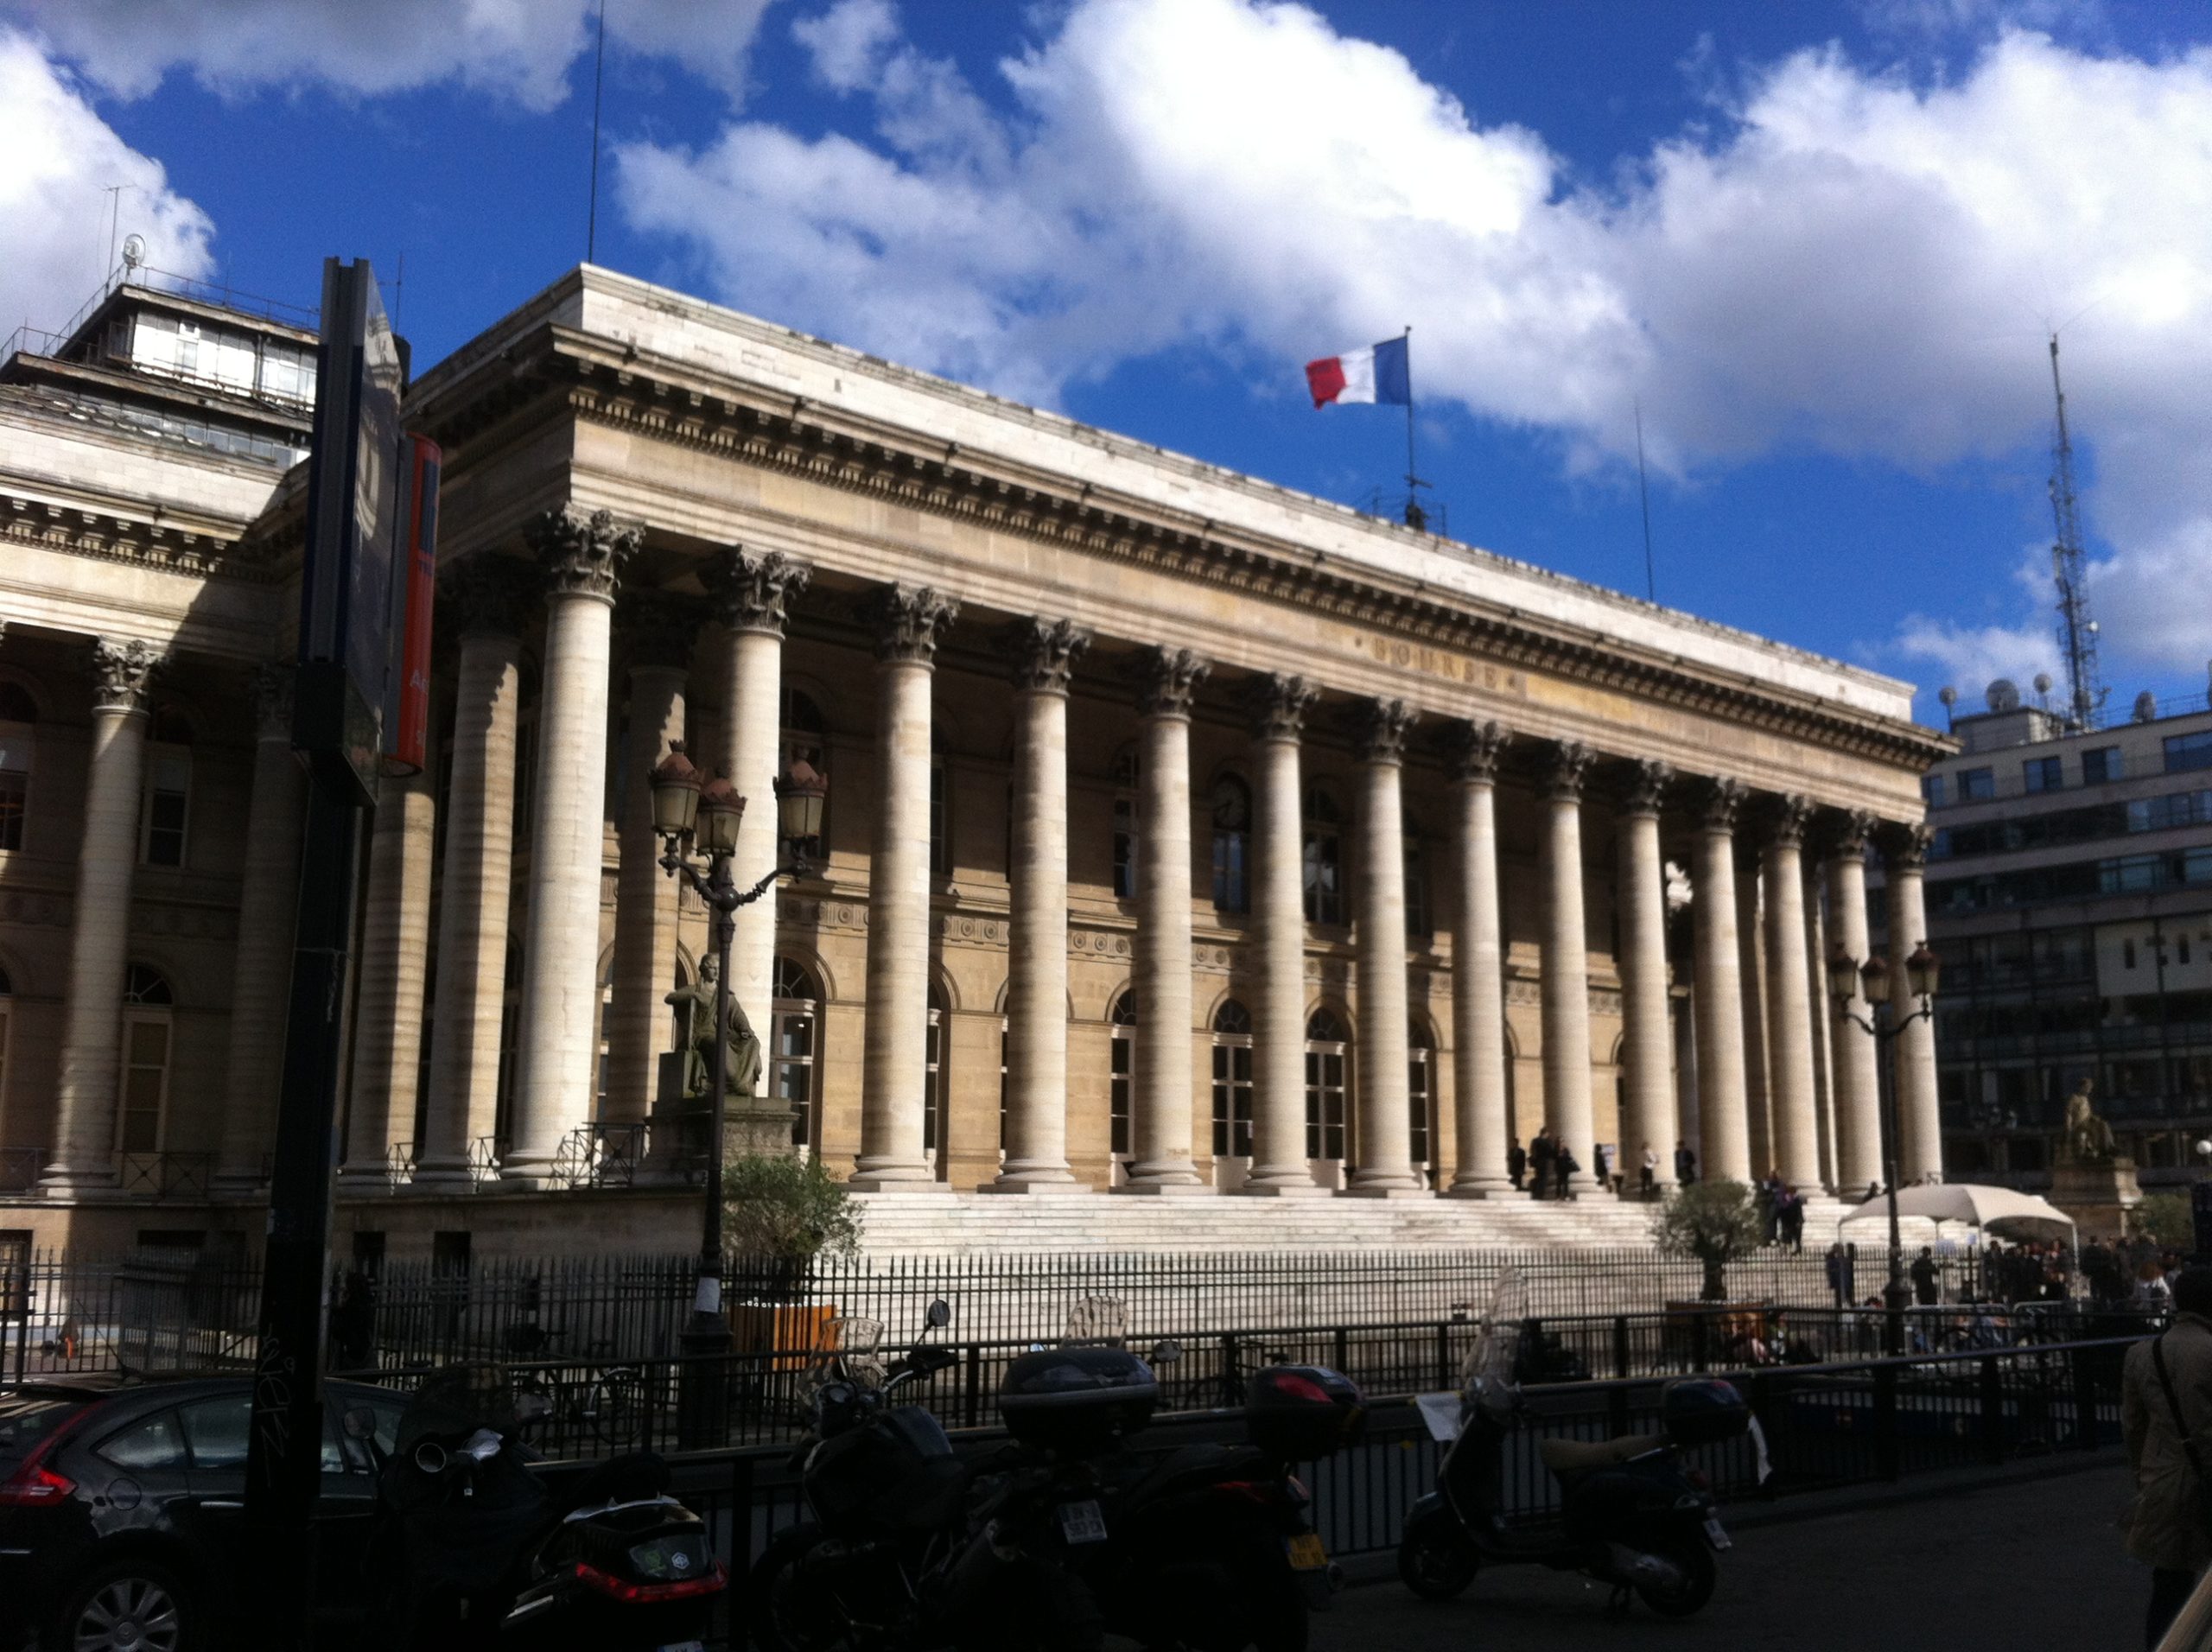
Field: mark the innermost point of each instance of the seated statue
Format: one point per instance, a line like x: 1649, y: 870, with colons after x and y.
x: 696, y: 1002
x: 2089, y: 1138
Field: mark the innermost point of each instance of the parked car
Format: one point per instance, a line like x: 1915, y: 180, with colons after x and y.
x: 122, y: 1509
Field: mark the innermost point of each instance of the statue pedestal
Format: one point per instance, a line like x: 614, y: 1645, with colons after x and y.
x: 2099, y: 1197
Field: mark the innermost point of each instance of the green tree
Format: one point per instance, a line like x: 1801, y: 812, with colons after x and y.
x: 1716, y: 1221
x: 787, y: 1207
x: 2165, y: 1218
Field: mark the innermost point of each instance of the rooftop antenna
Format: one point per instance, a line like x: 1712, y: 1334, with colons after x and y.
x: 1644, y: 494
x: 598, y: 81
x: 2077, y: 632
x: 1416, y: 517
x: 114, y: 192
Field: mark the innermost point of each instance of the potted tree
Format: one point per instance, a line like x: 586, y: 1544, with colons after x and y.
x: 1718, y: 1223
x: 781, y: 1214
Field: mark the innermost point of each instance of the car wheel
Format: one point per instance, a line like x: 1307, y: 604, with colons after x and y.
x: 130, y: 1606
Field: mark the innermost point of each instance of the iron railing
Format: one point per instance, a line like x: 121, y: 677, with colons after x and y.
x: 20, y: 1167
x: 165, y: 1175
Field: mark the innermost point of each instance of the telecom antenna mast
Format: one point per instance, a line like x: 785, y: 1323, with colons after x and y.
x: 2077, y: 632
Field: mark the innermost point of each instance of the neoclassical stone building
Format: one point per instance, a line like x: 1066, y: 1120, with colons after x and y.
x: 1185, y: 834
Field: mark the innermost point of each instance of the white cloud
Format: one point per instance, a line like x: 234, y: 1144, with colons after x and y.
x: 519, y: 49
x: 53, y: 204
x: 1847, y: 262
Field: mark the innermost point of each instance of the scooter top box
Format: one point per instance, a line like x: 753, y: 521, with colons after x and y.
x: 1699, y: 1410
x: 1077, y: 1399
x: 1303, y: 1412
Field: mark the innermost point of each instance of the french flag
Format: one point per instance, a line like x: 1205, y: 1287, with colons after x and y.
x: 1380, y: 373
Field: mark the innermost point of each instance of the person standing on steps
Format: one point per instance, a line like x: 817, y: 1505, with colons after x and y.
x: 1685, y: 1165
x: 1541, y: 1153
x: 1650, y: 1173
x: 1516, y: 1162
x: 1564, y: 1166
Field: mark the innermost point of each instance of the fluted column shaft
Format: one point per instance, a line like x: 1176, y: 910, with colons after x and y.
x: 1647, y: 1035
x: 645, y: 895
x: 395, y: 950
x: 1278, y: 1161
x: 268, y: 899
x: 475, y: 885
x: 892, y: 1072
x: 1566, y: 980
x: 1383, y: 1115
x: 1717, y: 992
x: 1162, y: 1126
x: 559, y: 1025
x: 100, y: 939
x: 1920, y: 1126
x: 1037, y: 980
x: 1859, y: 1101
x: 1751, y: 974
x: 1790, y: 1037
x: 1817, y: 1014
x: 1477, y: 973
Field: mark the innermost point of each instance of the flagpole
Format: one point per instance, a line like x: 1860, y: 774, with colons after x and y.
x: 1413, y: 471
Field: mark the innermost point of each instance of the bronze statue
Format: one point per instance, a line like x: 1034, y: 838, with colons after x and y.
x: 697, y: 1041
x: 2089, y: 1138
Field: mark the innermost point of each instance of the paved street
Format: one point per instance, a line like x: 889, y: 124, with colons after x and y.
x: 2033, y: 1564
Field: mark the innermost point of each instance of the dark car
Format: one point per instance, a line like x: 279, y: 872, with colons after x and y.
x: 123, y: 1511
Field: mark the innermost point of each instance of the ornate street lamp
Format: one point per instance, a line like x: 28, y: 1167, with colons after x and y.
x: 1848, y: 978
x: 690, y: 812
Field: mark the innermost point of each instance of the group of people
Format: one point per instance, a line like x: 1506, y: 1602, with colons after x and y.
x: 2135, y: 1273
x: 1782, y: 1212
x: 1546, y: 1167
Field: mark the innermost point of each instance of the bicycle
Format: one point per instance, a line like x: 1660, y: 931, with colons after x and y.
x: 607, y: 1401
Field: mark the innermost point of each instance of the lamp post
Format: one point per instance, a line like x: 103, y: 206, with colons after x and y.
x: 1848, y: 978
x: 691, y: 811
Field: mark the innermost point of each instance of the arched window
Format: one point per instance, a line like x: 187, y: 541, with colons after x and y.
x: 793, y: 1040
x: 1125, y: 823
x: 1122, y: 1071
x: 1324, y: 865
x: 165, y: 799
x: 18, y: 712
x: 933, y: 1078
x: 1421, y: 1095
x: 1232, y: 1081
x: 142, y: 1106
x: 1328, y: 1065
x: 1419, y: 925
x: 1232, y: 845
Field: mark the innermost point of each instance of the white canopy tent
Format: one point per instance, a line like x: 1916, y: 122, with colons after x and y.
x: 1999, y: 1211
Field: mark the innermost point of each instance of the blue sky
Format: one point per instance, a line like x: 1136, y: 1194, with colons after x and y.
x: 1817, y: 244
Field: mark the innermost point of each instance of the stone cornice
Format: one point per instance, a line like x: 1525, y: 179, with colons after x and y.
x: 113, y: 537
x: 555, y: 369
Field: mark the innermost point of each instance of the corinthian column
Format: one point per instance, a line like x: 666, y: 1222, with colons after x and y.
x: 583, y: 562
x: 1037, y: 983
x: 1751, y: 973
x: 107, y: 856
x: 1857, y: 1093
x: 489, y: 595
x: 1279, y: 705
x: 1383, y: 1118
x: 1647, y: 1038
x: 1790, y: 1027
x: 1566, y: 982
x: 1478, y: 971
x: 1717, y: 992
x: 1920, y: 1124
x: 909, y: 620
x: 663, y: 628
x: 1162, y: 1162
x: 395, y: 950
x: 261, y: 978
x: 751, y: 593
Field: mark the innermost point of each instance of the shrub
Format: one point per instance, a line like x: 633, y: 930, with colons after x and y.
x: 1716, y: 1221
x: 787, y: 1207
x: 2165, y: 1218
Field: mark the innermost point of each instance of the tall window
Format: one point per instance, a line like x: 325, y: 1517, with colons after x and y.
x: 1419, y: 927
x: 1975, y: 785
x: 1122, y: 1072
x: 165, y: 803
x: 1420, y: 1095
x: 2101, y: 764
x: 940, y: 822
x: 2043, y: 774
x: 2189, y: 751
x: 796, y: 1014
x: 1232, y: 845
x: 1125, y: 823
x: 18, y: 712
x: 1232, y: 1081
x: 933, y: 1083
x: 1325, y: 867
x: 146, y: 1004
x: 1328, y: 1056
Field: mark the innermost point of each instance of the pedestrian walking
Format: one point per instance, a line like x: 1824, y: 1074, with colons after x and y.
x: 1838, y: 1276
x: 2165, y: 1415
x: 1650, y: 1173
x: 1790, y: 1211
x: 1542, y: 1152
x: 1770, y: 1201
x: 1926, y: 1283
x: 1516, y: 1162
x: 1604, y: 1161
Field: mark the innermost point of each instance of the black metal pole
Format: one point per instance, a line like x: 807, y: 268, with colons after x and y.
x: 1897, y: 1293
x: 702, y: 1407
x: 284, y: 1447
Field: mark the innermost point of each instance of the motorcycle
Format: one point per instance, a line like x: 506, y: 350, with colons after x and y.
x: 471, y: 1544
x: 1633, y: 1512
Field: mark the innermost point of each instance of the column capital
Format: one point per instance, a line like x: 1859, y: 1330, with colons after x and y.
x: 1380, y: 726
x: 910, y: 620
x: 1842, y: 834
x: 1905, y: 844
x: 1473, y: 750
x: 270, y: 685
x: 1565, y: 766
x: 753, y: 590
x: 583, y: 556
x: 1045, y: 653
x: 1786, y: 820
x: 1167, y: 681
x: 123, y: 668
x: 1279, y: 703
x: 488, y: 595
x: 1719, y: 801
x: 1646, y: 786
x: 662, y: 627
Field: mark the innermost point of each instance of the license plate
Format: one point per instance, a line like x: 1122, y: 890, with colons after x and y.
x: 685, y: 1646
x: 1082, y: 1523
x: 1715, y: 1535
x: 1307, y: 1553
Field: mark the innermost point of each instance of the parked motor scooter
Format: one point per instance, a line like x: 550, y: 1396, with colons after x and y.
x: 1633, y: 1513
